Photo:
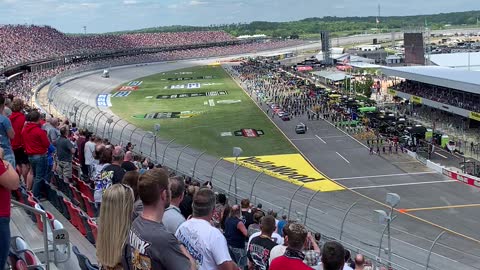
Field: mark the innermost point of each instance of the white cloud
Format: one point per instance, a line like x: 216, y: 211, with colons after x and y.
x: 173, y: 6
x: 130, y: 2
x: 197, y: 3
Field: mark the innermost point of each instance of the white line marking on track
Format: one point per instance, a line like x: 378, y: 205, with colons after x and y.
x: 331, y: 137
x: 318, y: 137
x: 346, y: 160
x: 404, y: 184
x: 302, y: 139
x: 383, y: 175
x: 441, y: 155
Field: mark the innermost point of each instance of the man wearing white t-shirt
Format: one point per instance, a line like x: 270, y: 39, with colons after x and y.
x: 89, y: 151
x: 205, y: 243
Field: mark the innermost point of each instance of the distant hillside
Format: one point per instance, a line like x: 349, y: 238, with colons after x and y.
x: 338, y: 25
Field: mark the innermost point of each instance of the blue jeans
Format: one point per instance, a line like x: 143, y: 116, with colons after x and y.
x: 10, y: 157
x: 39, y: 165
x: 4, y: 240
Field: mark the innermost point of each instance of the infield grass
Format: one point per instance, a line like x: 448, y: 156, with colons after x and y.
x: 203, y: 130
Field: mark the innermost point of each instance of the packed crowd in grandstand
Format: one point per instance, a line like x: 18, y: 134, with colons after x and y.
x: 441, y: 94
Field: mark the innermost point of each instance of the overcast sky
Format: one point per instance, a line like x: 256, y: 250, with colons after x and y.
x: 115, y: 15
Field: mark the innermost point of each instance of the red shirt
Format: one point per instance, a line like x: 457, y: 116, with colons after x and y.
x: 18, y: 121
x: 35, y: 139
x: 285, y: 263
x: 4, y: 195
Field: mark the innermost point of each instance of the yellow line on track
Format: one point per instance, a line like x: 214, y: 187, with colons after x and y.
x: 440, y: 207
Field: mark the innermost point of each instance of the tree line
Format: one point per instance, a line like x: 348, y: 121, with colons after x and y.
x: 336, y: 25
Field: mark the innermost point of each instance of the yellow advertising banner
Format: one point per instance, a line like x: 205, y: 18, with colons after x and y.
x: 416, y: 99
x: 292, y: 168
x: 475, y: 116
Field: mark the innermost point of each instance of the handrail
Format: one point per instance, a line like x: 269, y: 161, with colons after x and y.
x: 45, y: 237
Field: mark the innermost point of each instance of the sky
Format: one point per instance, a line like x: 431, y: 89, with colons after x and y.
x: 116, y: 15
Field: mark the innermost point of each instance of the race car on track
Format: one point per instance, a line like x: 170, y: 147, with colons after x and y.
x: 301, y: 128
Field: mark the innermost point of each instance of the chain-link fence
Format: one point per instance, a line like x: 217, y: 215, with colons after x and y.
x: 344, y: 216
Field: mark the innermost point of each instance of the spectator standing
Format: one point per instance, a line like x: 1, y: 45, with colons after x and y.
x: 186, y: 204
x: 173, y: 217
x: 17, y: 118
x: 280, y: 224
x: 205, y: 243
x: 89, y: 152
x: 236, y: 233
x: 127, y: 163
x: 279, y: 250
x: 81, y: 141
x: 6, y: 134
x: 131, y: 179
x: 293, y: 257
x: 111, y: 173
x: 8, y: 181
x: 348, y: 260
x: 359, y: 262
x: 311, y: 251
x: 36, y: 146
x: 219, y: 209
x: 333, y: 256
x: 258, y: 252
x: 149, y: 243
x: 113, y: 225
x: 65, y: 152
x: 247, y: 215
x: 51, y: 127
x: 255, y: 226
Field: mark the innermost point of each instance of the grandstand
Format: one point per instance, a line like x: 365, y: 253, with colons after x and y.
x: 452, y: 90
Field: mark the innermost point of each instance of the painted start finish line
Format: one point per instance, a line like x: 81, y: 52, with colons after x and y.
x: 292, y: 168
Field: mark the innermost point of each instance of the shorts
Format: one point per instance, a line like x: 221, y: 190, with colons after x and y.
x: 64, y: 170
x: 20, y: 156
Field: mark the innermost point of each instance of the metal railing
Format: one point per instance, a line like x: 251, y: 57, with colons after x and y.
x: 44, y: 216
x: 328, y: 213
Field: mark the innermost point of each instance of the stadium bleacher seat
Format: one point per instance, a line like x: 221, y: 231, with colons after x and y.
x: 85, y: 189
x: 77, y: 198
x: 62, y: 206
x: 83, y: 262
x: 89, y: 235
x: 39, y: 218
x: 20, y: 249
x: 21, y: 265
x: 90, y: 206
x: 93, y: 227
x: 74, y: 218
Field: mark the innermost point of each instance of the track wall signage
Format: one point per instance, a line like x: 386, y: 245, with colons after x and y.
x: 291, y: 168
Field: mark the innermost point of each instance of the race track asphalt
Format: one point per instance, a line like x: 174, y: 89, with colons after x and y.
x: 339, y: 157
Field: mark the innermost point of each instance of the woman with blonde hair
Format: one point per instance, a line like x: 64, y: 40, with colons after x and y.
x: 113, y: 225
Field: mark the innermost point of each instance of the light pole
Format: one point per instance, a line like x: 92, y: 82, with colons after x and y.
x: 386, y: 219
x: 156, y: 127
x: 237, y: 151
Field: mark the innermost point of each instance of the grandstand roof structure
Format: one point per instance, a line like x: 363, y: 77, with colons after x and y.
x: 457, y: 60
x: 460, y: 79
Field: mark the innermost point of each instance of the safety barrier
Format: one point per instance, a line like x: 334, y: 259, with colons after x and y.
x: 319, y: 211
x: 464, y: 178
